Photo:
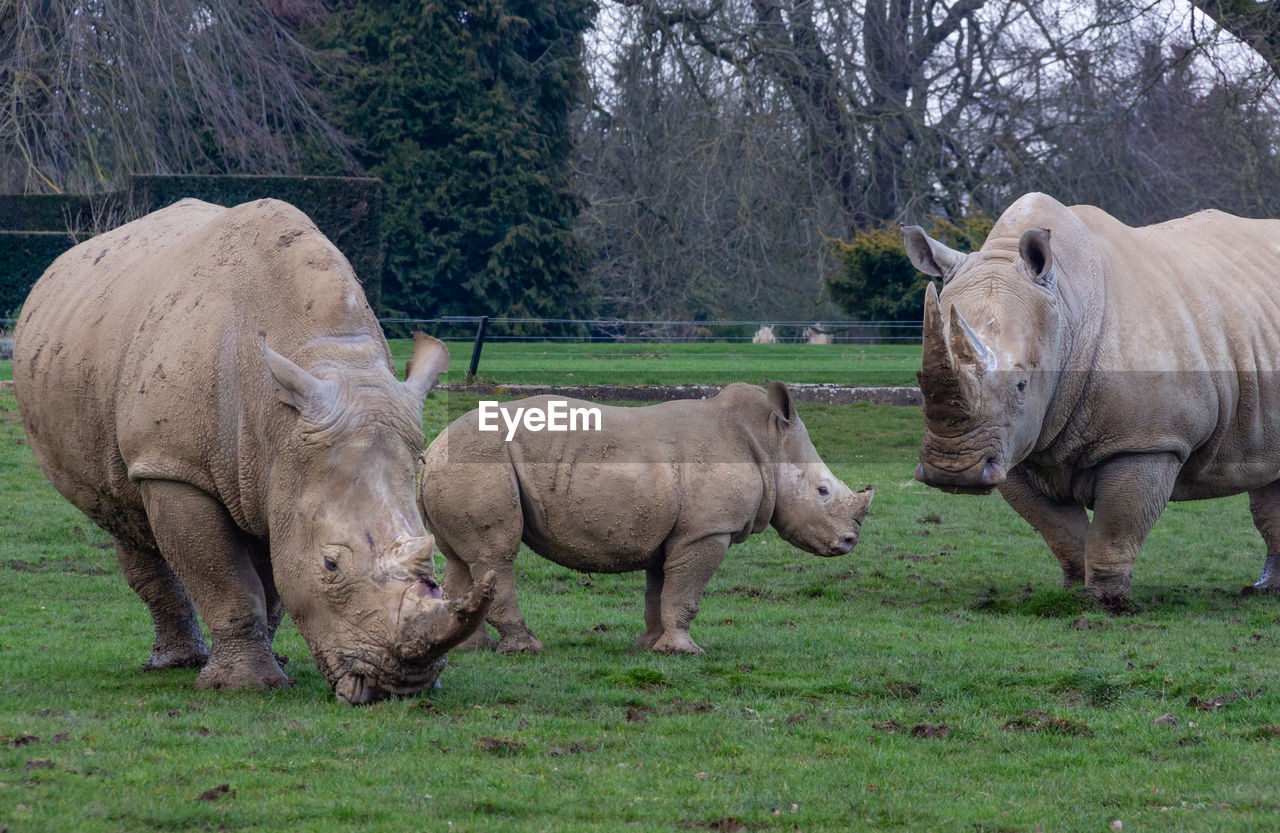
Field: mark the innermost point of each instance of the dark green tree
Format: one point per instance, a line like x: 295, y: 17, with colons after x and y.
x: 462, y: 108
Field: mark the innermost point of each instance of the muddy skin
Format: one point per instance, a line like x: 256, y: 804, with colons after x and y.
x: 1112, y: 368
x: 665, y: 489
x: 210, y: 387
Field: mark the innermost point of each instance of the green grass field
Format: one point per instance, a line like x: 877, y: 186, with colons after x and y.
x: 701, y: 363
x: 934, y: 679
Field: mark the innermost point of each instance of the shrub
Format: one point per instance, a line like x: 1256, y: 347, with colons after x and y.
x: 876, y: 281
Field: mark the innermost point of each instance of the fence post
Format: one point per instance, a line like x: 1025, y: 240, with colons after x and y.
x: 475, y: 351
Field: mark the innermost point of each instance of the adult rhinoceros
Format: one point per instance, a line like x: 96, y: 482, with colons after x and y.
x: 210, y: 387
x: 1078, y: 363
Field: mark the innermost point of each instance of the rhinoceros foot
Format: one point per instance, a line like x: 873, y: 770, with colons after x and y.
x: 677, y: 644
x: 186, y: 656
x: 525, y: 643
x: 263, y: 674
x: 1270, y: 580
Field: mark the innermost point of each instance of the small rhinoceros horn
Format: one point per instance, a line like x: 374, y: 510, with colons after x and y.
x: 429, y: 635
x: 966, y: 346
x: 411, y: 556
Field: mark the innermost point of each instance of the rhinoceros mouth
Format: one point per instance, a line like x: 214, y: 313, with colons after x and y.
x: 360, y: 688
x: 356, y: 690
x: 966, y: 490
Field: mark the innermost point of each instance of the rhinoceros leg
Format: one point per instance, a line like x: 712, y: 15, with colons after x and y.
x: 261, y: 556
x: 514, y: 636
x: 1264, y: 505
x: 457, y: 581
x: 653, y: 581
x: 1129, y: 495
x: 214, y: 561
x: 1062, y: 525
x: 179, y: 643
x: 687, y: 569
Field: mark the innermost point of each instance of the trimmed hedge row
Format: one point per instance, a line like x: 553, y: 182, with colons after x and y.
x: 24, y: 255
x: 34, y: 230
x: 55, y: 212
x: 348, y: 210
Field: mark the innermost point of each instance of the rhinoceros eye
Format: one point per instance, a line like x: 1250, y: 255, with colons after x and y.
x: 1022, y: 386
x: 330, y: 564
x: 822, y: 490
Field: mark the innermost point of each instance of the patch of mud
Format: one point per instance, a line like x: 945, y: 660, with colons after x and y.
x: 499, y: 746
x: 728, y: 824
x: 1034, y: 720
x: 828, y: 394
x: 572, y: 749
x: 682, y: 706
x: 928, y: 730
x: 215, y: 793
x: 1215, y: 703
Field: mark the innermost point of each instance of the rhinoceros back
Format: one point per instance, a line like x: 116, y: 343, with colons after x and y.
x: 138, y: 353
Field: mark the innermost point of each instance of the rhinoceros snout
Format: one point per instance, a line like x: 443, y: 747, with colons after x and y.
x: 976, y: 480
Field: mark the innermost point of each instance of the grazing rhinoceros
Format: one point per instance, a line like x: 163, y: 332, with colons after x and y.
x: 665, y: 489
x: 210, y: 387
x: 1112, y: 369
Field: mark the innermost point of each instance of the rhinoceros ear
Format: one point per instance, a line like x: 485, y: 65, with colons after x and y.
x: 780, y: 403
x: 296, y: 387
x: 430, y: 359
x: 1037, y: 257
x: 930, y: 256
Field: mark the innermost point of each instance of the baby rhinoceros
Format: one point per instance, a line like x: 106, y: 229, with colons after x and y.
x: 665, y: 489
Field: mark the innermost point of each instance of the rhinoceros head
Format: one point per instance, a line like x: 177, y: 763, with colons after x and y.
x: 813, y: 509
x: 351, y: 557
x: 991, y: 352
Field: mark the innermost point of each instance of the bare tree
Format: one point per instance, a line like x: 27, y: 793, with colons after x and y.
x: 92, y: 90
x: 730, y: 140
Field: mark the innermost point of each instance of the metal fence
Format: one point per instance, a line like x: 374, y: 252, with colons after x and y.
x: 499, y: 328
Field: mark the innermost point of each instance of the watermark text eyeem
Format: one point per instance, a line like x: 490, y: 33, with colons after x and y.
x: 557, y: 415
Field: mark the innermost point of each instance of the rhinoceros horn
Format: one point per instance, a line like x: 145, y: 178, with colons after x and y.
x: 430, y: 359
x: 966, y: 346
x: 443, y: 624
x: 944, y: 399
x: 411, y: 556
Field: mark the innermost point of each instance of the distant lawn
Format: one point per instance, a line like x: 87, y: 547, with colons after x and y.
x: 696, y: 363
x: 934, y: 679
x: 703, y: 363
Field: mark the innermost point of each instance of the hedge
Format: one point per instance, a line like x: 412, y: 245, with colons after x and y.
x: 24, y: 255
x: 348, y: 210
x: 34, y: 230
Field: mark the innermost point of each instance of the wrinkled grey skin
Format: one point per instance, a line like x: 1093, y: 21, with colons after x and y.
x: 1077, y: 363
x: 665, y: 489
x: 210, y: 387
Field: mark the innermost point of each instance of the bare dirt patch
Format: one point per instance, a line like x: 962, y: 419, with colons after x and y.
x: 1035, y: 720
x: 499, y: 746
